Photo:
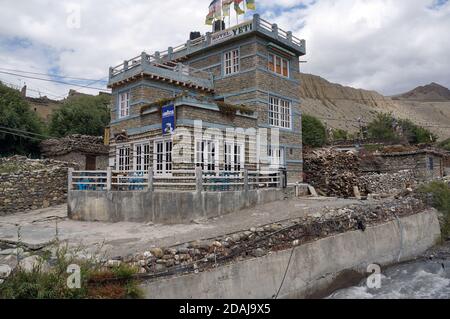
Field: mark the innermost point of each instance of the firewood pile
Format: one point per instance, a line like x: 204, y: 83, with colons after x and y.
x: 332, y: 173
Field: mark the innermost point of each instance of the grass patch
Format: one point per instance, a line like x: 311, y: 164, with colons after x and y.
x: 438, y: 195
x: 48, y: 280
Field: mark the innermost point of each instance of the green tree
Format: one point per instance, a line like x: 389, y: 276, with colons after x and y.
x: 314, y: 132
x: 416, y: 134
x: 340, y: 135
x: 386, y: 127
x: 15, y: 113
x: 86, y: 115
x: 382, y: 127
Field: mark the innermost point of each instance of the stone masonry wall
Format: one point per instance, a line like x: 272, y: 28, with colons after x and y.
x: 27, y: 184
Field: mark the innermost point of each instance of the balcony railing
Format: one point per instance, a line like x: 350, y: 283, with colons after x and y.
x: 154, y: 66
x: 182, y: 180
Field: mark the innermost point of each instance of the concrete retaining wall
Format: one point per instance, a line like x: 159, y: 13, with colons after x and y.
x: 163, y: 207
x: 314, y: 267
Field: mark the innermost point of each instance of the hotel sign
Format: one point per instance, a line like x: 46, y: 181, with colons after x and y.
x: 168, y: 119
x: 231, y: 33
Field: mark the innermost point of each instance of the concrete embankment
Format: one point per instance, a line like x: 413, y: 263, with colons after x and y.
x: 309, y: 269
x: 164, y: 207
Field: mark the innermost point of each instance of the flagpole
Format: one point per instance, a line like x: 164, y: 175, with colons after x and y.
x: 221, y: 15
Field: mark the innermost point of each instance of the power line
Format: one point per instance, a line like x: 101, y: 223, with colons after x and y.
x: 20, y: 135
x: 23, y: 131
x: 56, y: 81
x: 53, y: 75
x: 29, y: 89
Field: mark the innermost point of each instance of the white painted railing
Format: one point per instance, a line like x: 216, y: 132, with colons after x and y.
x: 197, y: 179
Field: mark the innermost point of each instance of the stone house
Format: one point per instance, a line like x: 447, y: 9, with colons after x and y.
x: 427, y: 164
x: 89, y: 152
x: 231, y: 93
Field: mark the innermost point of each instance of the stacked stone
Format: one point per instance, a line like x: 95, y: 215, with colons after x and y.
x: 27, y: 184
x: 391, y: 183
x: 74, y: 143
x: 331, y: 172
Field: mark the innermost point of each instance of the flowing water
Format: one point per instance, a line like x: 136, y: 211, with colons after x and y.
x: 427, y: 278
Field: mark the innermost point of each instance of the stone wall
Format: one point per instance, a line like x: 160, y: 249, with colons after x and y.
x: 418, y: 162
x: 387, y: 183
x: 27, y: 184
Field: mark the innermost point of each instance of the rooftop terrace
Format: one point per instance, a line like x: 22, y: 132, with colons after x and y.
x: 166, y: 65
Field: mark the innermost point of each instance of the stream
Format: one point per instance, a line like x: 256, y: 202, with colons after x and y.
x: 425, y: 278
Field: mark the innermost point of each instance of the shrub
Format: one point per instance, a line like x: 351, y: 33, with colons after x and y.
x: 445, y: 144
x: 439, y: 194
x: 97, y: 282
x: 314, y: 132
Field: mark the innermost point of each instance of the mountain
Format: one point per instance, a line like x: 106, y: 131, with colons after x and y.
x: 429, y: 93
x: 341, y: 106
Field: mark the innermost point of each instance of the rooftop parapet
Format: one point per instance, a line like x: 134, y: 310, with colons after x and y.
x: 153, y: 67
x: 256, y: 24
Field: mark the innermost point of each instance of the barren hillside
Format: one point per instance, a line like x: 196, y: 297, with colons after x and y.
x: 340, y: 106
x: 429, y: 93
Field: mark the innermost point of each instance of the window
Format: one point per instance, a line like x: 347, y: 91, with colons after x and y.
x: 206, y: 153
x: 276, y: 156
x: 124, y: 104
x: 123, y: 159
x: 279, y: 112
x: 163, y: 157
x: 231, y: 60
x: 278, y: 65
x: 234, y: 157
x: 142, y: 157
x: 430, y: 163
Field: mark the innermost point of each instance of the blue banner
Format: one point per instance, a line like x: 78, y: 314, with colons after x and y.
x: 168, y: 119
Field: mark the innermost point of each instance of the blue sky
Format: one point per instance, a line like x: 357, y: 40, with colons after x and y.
x: 386, y: 45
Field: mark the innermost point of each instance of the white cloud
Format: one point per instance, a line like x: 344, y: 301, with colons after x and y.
x: 386, y: 45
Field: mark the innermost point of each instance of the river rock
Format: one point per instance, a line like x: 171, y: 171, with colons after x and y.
x: 5, y: 271
x: 259, y: 252
x: 157, y: 252
x: 33, y: 263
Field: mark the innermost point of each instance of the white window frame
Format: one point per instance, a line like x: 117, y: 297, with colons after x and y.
x: 162, y: 158
x: 276, y: 58
x: 142, y: 157
x: 234, y: 156
x: 276, y: 156
x: 123, y: 155
x: 231, y: 62
x: 124, y: 104
x: 207, y: 155
x: 280, y: 111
